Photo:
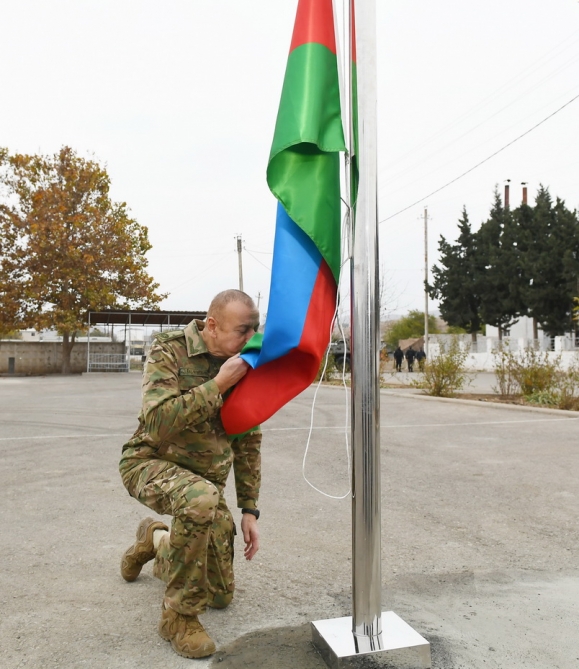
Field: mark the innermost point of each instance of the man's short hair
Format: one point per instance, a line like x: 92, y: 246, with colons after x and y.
x: 219, y: 302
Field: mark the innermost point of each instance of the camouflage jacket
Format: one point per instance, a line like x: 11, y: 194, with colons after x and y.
x: 180, y: 420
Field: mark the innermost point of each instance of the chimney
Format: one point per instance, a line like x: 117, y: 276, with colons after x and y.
x: 507, y: 193
x: 524, y: 185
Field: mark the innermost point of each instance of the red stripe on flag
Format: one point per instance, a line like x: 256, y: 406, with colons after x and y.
x: 265, y: 390
x: 316, y: 333
x: 314, y: 23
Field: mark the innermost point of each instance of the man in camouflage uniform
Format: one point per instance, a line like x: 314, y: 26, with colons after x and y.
x: 178, y: 461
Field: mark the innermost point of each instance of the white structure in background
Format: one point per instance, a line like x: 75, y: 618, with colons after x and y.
x: 480, y: 355
x: 522, y: 332
x: 522, y: 329
x: 52, y: 335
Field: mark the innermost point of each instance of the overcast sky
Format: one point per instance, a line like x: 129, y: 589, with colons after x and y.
x: 179, y: 100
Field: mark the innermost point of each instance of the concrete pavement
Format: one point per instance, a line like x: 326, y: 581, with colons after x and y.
x: 480, y: 533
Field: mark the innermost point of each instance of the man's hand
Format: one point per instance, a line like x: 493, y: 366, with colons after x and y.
x: 231, y: 371
x: 250, y: 535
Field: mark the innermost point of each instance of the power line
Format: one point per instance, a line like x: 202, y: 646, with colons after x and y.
x: 470, y: 130
x: 482, y: 162
x: 525, y: 73
x: 195, y: 276
x: 266, y: 253
x: 257, y: 260
x: 470, y: 150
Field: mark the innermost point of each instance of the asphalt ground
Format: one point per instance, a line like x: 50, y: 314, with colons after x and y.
x: 477, y: 382
x: 479, y: 543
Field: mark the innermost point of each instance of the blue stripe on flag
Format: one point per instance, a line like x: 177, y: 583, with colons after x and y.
x: 296, y: 262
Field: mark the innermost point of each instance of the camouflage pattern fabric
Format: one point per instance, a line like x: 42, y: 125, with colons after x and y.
x: 195, y: 560
x: 180, y: 425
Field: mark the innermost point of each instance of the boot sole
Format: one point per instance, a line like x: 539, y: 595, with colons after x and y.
x: 205, y: 651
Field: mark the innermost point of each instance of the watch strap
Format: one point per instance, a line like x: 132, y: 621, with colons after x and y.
x: 253, y: 512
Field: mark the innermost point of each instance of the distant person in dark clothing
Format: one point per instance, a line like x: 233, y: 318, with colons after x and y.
x: 410, y: 355
x: 398, y: 358
x: 421, y: 357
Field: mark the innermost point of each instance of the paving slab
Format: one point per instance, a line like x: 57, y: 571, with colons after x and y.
x: 480, y: 521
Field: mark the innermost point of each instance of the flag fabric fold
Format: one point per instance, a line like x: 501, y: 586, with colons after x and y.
x: 304, y: 175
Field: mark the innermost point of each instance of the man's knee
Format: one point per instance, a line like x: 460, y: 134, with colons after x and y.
x: 196, y: 503
x: 192, y: 501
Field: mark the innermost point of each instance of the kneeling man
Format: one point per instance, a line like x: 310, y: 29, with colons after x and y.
x: 177, y: 464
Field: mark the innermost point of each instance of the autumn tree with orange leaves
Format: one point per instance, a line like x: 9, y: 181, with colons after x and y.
x: 65, y: 247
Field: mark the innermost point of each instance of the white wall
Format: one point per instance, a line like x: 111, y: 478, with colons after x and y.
x: 482, y: 358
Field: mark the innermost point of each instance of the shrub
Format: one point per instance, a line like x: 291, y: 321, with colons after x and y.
x: 445, y: 373
x: 543, y: 398
x: 540, y: 380
x: 504, y: 362
x: 527, y: 373
x: 563, y: 396
x: 567, y: 387
x: 534, y: 372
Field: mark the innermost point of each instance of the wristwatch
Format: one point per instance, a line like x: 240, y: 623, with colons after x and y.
x: 254, y: 512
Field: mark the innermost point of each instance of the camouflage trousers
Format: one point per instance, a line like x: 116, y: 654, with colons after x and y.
x: 195, y: 560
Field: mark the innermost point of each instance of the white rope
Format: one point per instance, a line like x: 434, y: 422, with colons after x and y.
x: 335, y: 319
x: 343, y: 82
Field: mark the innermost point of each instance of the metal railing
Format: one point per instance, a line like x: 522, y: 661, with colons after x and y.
x: 108, y: 362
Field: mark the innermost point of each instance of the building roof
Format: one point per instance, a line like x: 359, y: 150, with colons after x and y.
x: 128, y: 317
x: 414, y: 342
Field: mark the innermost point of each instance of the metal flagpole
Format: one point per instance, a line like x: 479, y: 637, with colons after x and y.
x: 365, y: 348
x: 369, y: 631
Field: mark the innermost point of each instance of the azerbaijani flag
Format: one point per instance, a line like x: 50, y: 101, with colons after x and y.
x: 304, y: 175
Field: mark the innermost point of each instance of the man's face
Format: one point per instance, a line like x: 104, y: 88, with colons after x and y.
x: 231, y: 329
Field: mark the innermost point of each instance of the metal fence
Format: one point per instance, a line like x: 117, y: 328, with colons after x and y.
x: 108, y: 362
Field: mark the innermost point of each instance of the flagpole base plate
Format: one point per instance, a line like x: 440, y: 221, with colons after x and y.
x: 398, y: 645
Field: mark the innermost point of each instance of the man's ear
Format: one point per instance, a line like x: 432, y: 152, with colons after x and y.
x: 211, y: 326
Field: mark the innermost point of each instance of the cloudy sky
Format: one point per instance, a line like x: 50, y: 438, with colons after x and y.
x: 179, y: 100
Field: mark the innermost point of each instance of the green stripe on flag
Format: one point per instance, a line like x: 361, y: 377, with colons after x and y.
x: 304, y: 169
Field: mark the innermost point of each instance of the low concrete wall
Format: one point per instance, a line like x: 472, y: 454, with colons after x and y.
x: 45, y: 357
x: 483, y: 360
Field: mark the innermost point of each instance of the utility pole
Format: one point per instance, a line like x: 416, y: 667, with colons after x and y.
x: 239, y: 248
x: 258, y: 300
x: 426, y: 281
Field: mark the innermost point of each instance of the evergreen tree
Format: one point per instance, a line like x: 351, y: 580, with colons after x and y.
x: 548, y: 247
x: 457, y: 280
x: 520, y: 240
x: 524, y: 262
x: 500, y: 286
